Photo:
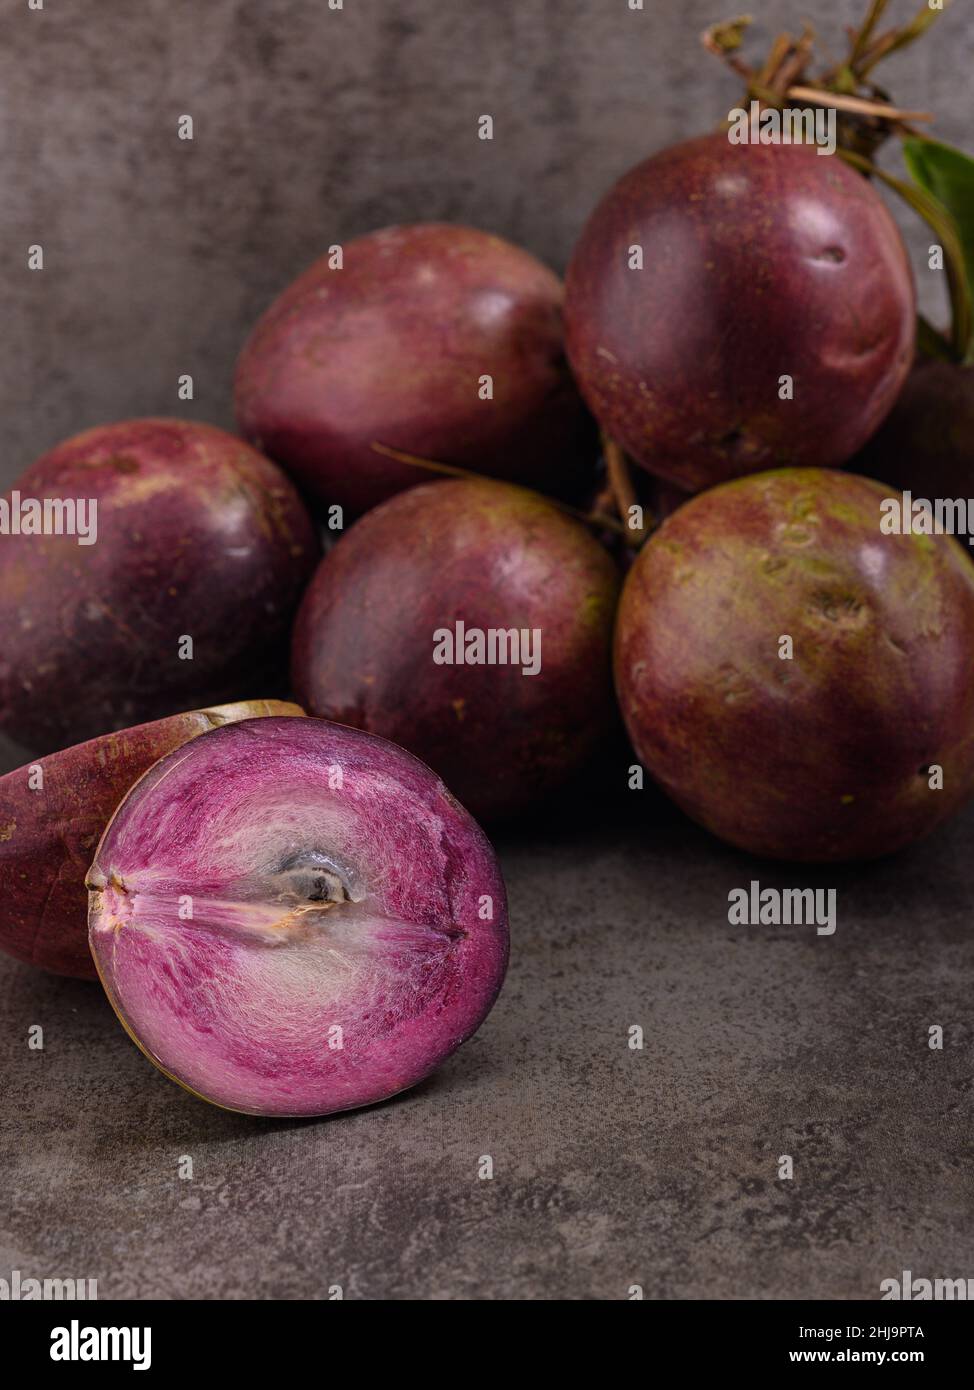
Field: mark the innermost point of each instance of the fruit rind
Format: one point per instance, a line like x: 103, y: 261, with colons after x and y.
x: 52, y: 814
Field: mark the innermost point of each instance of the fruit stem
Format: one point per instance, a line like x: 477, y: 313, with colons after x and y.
x: 860, y: 40
x: 846, y: 85
x: 623, y: 492
x: 869, y: 119
x: 724, y: 39
x: 600, y: 521
x: 895, y: 39
x: 857, y: 106
x: 943, y: 224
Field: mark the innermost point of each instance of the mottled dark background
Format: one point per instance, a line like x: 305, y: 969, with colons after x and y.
x: 612, y: 1167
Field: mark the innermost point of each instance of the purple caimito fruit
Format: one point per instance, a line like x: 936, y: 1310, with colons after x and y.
x: 52, y: 815
x: 291, y: 917
x: 798, y: 681
x: 471, y: 622
x: 732, y: 308
x: 439, y: 340
x: 180, y: 594
x: 926, y: 444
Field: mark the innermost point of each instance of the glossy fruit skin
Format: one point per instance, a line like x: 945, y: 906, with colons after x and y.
x: 255, y: 826
x: 822, y: 757
x: 758, y: 262
x: 50, y: 825
x: 198, y: 536
x: 391, y: 349
x: 492, y: 556
x: 926, y: 444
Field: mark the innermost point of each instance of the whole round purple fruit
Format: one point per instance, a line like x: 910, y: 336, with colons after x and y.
x: 470, y: 621
x: 797, y: 680
x: 711, y: 273
x: 52, y: 815
x: 395, y: 347
x: 926, y: 444
x: 181, y: 594
x: 292, y: 918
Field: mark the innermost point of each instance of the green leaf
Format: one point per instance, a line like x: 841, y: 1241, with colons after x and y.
x: 946, y: 230
x: 948, y: 174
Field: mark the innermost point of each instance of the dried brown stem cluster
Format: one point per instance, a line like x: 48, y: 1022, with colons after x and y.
x: 868, y: 115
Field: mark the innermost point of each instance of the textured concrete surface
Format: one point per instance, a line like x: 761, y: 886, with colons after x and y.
x: 612, y: 1167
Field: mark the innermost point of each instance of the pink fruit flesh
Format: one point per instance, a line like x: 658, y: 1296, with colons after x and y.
x: 759, y: 261
x: 392, y: 347
x: 339, y: 895
x: 198, y: 536
x: 52, y: 815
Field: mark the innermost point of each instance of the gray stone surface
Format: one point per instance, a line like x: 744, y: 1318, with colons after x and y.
x: 612, y: 1167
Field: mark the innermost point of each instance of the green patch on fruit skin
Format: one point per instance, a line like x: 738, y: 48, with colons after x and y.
x: 797, y: 536
x: 594, y: 607
x: 804, y: 508
x: 924, y: 543
x: 843, y: 512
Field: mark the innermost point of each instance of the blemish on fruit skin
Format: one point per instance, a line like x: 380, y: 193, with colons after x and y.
x: 119, y: 463
x: 593, y: 609
x: 796, y: 535
x: 459, y: 709
x: 6, y: 831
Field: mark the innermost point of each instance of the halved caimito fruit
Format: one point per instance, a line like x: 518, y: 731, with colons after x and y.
x: 52, y: 814
x: 291, y: 917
